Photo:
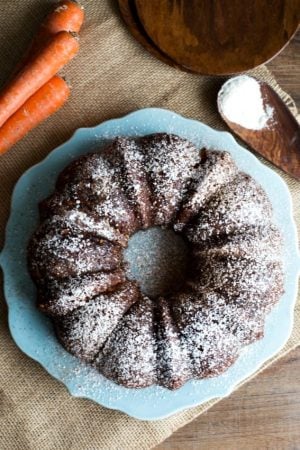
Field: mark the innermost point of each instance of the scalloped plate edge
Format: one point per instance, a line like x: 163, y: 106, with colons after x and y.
x: 82, y: 133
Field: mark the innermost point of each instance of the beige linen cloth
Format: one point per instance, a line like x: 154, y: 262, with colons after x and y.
x: 111, y: 76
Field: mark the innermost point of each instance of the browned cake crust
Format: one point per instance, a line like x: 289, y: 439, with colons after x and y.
x: 235, y: 275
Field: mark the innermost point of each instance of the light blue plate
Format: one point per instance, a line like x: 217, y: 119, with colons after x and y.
x: 33, y: 332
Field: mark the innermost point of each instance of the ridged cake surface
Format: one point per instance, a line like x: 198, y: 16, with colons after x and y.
x: 234, y: 275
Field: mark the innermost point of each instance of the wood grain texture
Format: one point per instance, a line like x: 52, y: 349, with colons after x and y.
x: 129, y: 14
x: 220, y: 37
x: 264, y: 414
x: 286, y: 69
x: 279, y: 142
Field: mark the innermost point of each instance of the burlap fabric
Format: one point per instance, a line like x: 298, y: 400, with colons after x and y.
x: 112, y: 76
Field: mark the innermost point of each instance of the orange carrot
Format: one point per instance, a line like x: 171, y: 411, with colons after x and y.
x: 67, y: 15
x: 61, y: 48
x: 48, y: 99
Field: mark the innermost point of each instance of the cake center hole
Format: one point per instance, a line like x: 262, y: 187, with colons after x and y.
x: 157, y: 259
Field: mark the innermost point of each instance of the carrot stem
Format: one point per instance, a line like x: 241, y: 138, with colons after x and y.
x: 47, y: 100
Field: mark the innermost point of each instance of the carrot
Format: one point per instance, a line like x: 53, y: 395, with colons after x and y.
x: 48, y: 99
x: 67, y: 15
x: 61, y: 48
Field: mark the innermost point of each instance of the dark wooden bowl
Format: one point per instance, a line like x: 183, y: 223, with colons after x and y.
x: 216, y: 37
x: 129, y: 14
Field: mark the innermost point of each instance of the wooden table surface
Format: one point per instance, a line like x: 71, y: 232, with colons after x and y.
x: 265, y: 413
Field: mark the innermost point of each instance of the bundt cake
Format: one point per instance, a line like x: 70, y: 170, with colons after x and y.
x: 234, y: 273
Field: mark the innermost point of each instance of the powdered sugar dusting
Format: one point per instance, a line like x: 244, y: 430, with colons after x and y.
x: 240, y: 203
x: 129, y: 354
x: 216, y: 169
x: 61, y: 249
x: 85, y: 329
x: 240, y: 100
x: 171, y: 163
x: 128, y: 155
x: 63, y: 296
x: 234, y: 273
